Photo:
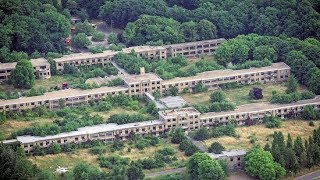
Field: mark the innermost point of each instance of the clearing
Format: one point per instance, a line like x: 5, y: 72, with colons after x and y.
x: 263, y: 134
x: 238, y: 96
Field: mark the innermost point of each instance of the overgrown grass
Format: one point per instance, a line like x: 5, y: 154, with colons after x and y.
x: 238, y: 96
x: 263, y: 134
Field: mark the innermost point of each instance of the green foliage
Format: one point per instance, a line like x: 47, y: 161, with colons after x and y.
x: 311, y: 123
x: 84, y: 171
x: 290, y: 98
x: 35, y: 92
x: 310, y: 113
x: 199, y: 87
x: 193, y: 166
x: 292, y: 85
x: 260, y: 163
x: 9, y: 95
x: 272, y: 122
x: 31, y: 26
x: 265, y: 53
x: 80, y: 40
x: 161, y: 157
x: 112, y: 161
x: 177, y: 136
x: 112, y: 38
x: 135, y: 172
x: 228, y: 130
x: 14, y: 165
x: 117, y: 47
x: 56, y: 149
x: 216, y: 148
x: 97, y: 49
x: 126, y: 118
x: 211, y: 170
x: 97, y: 150
x: 201, y: 134
x: 252, y: 64
x: 98, y: 36
x: 23, y: 76
x: 85, y: 28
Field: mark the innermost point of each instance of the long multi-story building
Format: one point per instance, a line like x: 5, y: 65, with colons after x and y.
x: 191, y: 49
x: 187, y: 118
x: 149, y: 82
x: 41, y: 69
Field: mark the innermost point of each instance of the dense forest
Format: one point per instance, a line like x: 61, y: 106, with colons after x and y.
x: 32, y: 27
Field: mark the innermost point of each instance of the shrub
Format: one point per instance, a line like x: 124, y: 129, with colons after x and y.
x: 218, y: 96
x: 56, y: 149
x: 221, y: 106
x: 272, y: 122
x: 97, y: 49
x: 311, y: 123
x: 199, y: 87
x: 201, y: 134
x: 309, y: 113
x: 98, y: 36
x: 256, y: 93
x: 177, y: 136
x: 216, y: 148
x: 97, y: 150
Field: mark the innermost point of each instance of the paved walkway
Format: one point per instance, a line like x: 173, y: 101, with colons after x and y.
x: 199, y: 144
x: 312, y: 175
x: 165, y: 172
x: 122, y: 71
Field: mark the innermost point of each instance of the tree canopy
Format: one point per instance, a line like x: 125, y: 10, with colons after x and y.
x: 23, y: 75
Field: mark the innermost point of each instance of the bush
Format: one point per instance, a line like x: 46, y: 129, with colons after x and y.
x: 216, y: 148
x: 221, y: 106
x: 228, y: 130
x: 98, y: 36
x: 98, y: 150
x: 112, y: 160
x: 97, y: 49
x: 311, y: 123
x: 177, y: 136
x: 202, y: 134
x: 126, y: 118
x: 272, y: 122
x: 218, y: 96
x: 199, y: 87
x: 256, y: 93
x: 310, y: 113
x: 35, y: 92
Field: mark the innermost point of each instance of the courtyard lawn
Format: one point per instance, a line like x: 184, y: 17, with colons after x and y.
x: 51, y: 82
x: 238, y: 96
x: 12, y: 125
x: 52, y: 161
x: 263, y: 134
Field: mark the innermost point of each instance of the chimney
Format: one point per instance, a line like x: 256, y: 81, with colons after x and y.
x: 142, y: 71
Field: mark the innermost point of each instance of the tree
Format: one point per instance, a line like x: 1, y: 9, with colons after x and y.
x: 313, y: 80
x: 211, y: 170
x: 309, y: 113
x: 98, y: 36
x: 199, y: 87
x: 112, y: 38
x: 216, y: 148
x: 189, y: 31
x: 177, y: 136
x: 201, y: 134
x: 265, y: 52
x: 292, y: 85
x: 194, y: 163
x: 134, y: 172
x: 80, y: 41
x: 260, y: 163
x: 84, y: 171
x: 84, y: 27
x: 56, y: 149
x: 289, y: 141
x: 206, y: 30
x: 23, y: 75
x: 218, y: 96
x: 256, y: 93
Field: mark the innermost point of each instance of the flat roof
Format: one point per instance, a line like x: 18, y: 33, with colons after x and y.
x: 195, y: 43
x: 34, y: 62
x: 67, y: 93
x: 226, y: 73
x: 140, y: 78
x: 39, y: 62
x: 89, y: 130
x: 173, y: 101
x: 138, y: 49
x: 81, y: 56
x: 8, y: 66
x: 180, y: 111
x: 229, y: 153
x: 260, y: 107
